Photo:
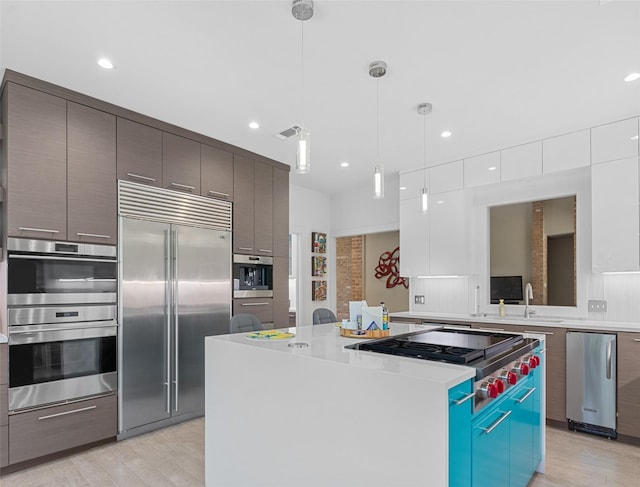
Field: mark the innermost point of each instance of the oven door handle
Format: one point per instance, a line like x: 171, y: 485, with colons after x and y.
x: 24, y: 337
x: 59, y: 257
x: 490, y: 429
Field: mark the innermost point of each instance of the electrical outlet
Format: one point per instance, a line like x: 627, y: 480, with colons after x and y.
x: 597, y: 306
x: 418, y: 299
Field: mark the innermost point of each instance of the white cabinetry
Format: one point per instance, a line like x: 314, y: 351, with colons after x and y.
x: 481, y: 170
x: 520, y: 162
x: 615, y: 216
x: 565, y: 152
x: 446, y: 177
x: 448, y: 235
x: 412, y: 182
x: 414, y: 239
x: 613, y: 141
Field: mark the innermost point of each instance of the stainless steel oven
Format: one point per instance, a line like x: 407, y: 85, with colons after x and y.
x: 42, y: 272
x: 61, y: 353
x: 252, y: 276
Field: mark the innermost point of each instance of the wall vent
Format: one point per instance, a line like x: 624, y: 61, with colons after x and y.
x: 288, y: 133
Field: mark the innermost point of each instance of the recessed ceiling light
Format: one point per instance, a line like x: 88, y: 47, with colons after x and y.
x: 403, y: 187
x: 445, y: 134
x: 632, y: 77
x: 254, y: 125
x: 344, y: 164
x: 105, y: 63
x: 492, y: 168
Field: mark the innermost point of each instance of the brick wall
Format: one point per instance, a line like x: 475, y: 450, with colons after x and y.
x: 538, y: 253
x: 349, y: 273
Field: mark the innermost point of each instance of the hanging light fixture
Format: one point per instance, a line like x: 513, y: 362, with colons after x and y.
x: 424, y: 109
x: 378, y: 69
x: 302, y: 10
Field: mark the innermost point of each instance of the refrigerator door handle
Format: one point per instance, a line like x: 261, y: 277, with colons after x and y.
x: 609, y: 359
x: 167, y: 291
x: 175, y: 317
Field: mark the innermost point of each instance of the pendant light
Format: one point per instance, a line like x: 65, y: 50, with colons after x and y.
x: 424, y: 109
x: 302, y: 10
x: 378, y: 69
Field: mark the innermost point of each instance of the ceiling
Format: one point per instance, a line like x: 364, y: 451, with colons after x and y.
x: 497, y: 73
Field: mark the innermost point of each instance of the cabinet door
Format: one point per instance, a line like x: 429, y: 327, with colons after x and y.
x: 490, y: 449
x: 139, y: 153
x: 263, y: 210
x: 180, y: 163
x: 614, y: 141
x: 615, y: 216
x: 521, y: 162
x: 414, y: 239
x: 629, y: 384
x: 216, y: 173
x: 37, y: 164
x: 521, y: 431
x: 243, y: 205
x: 281, y: 292
x: 481, y: 170
x: 566, y: 152
x: 411, y: 184
x: 460, y: 411
x: 91, y: 184
x: 446, y: 177
x: 281, y: 213
x: 447, y: 234
x: 261, y: 308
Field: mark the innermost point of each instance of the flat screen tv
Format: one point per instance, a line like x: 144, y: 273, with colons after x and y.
x: 508, y: 288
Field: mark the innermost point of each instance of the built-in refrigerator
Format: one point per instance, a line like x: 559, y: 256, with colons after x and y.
x: 174, y: 290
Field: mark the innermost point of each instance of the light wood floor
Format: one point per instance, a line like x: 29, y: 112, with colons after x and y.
x: 174, y: 457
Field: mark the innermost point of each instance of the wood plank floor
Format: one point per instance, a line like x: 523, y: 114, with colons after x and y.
x: 174, y: 457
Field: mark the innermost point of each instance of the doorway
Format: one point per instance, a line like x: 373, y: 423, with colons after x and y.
x: 560, y: 270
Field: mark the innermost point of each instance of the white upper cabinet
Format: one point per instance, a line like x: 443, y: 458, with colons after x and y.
x: 481, y: 170
x: 412, y: 182
x: 613, y: 141
x: 414, y: 239
x: 566, y: 152
x: 446, y: 177
x: 448, y: 244
x: 615, y: 216
x: 522, y: 161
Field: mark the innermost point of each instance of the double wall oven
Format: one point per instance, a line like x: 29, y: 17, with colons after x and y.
x: 62, y: 321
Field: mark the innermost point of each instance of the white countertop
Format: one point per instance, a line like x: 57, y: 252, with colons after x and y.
x: 547, y: 321
x: 3, y: 338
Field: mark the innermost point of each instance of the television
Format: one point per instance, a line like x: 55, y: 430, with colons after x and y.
x: 508, y: 288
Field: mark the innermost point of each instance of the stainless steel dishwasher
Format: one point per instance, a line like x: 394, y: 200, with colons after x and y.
x: 591, y: 383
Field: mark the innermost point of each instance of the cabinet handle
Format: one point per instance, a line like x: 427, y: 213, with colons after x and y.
x: 464, y: 399
x: 138, y: 176
x: 636, y: 339
x: 265, y: 250
x: 245, y: 248
x: 66, y: 412
x: 524, y: 398
x: 608, y: 358
x: 183, y: 186
x: 226, y: 195
x: 43, y: 230
x: 95, y: 235
x: 540, y: 332
x: 491, y: 329
x: 543, y: 350
x: 490, y: 429
x: 255, y: 304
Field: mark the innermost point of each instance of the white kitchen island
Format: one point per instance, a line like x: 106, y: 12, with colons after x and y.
x: 323, y: 415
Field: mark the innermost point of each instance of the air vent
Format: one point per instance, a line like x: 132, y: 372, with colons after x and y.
x: 288, y: 133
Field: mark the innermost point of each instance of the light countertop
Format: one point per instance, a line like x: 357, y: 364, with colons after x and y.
x: 3, y: 338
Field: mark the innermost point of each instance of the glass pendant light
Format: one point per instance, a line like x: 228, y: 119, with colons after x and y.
x: 424, y: 109
x: 302, y: 10
x: 377, y: 69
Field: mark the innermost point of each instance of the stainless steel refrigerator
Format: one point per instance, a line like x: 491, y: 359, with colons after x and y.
x: 591, y: 383
x: 175, y: 289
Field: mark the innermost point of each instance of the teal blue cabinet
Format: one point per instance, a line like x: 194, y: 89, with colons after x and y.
x: 460, y: 412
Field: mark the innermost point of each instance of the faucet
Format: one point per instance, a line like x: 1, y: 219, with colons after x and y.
x: 528, y: 294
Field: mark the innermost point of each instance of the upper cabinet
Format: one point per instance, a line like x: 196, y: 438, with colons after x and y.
x: 263, y: 209
x: 521, y: 161
x: 139, y: 153
x: 180, y: 163
x: 216, y: 173
x: 36, y: 163
x: 446, y: 177
x: 91, y: 173
x: 243, y: 191
x: 411, y: 183
x: 565, y: 152
x: 448, y: 243
x: 613, y: 141
x: 481, y: 170
x: 281, y: 214
x: 414, y: 239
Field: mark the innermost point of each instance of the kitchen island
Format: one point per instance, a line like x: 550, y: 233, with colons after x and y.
x: 306, y: 411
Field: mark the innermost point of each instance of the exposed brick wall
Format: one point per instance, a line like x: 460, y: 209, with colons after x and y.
x: 538, y: 253
x: 349, y: 273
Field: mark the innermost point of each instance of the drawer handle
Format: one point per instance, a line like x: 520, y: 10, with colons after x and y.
x: 524, y: 398
x: 491, y: 329
x: 245, y: 248
x: 490, y: 429
x: 636, y: 339
x: 183, y: 186
x: 138, y: 176
x: 43, y: 230
x: 539, y: 332
x: 95, y: 235
x: 265, y: 250
x: 226, y: 195
x: 255, y: 304
x: 66, y: 412
x: 464, y: 399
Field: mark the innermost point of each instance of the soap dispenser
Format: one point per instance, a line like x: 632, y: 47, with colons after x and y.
x: 501, y: 309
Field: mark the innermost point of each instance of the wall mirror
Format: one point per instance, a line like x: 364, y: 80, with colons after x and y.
x: 534, y: 242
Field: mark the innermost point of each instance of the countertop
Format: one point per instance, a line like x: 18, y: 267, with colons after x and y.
x: 3, y: 338
x: 547, y: 321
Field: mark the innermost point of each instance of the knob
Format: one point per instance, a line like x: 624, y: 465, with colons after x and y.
x: 499, y: 385
x: 537, y: 359
x: 492, y: 389
x: 524, y: 369
x: 488, y: 390
x: 512, y: 378
x: 533, y: 363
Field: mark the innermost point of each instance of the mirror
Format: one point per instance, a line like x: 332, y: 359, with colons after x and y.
x: 534, y: 242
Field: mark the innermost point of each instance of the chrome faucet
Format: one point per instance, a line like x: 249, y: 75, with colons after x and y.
x: 528, y: 294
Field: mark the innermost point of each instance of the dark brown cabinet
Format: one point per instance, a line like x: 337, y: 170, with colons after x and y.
x: 180, y: 163
x: 243, y: 205
x: 629, y: 384
x: 91, y: 175
x: 139, y: 153
x: 261, y: 308
x: 280, y: 292
x: 263, y: 209
x: 280, y: 213
x: 216, y: 173
x: 37, y: 163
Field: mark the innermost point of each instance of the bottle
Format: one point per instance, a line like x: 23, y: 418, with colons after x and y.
x: 385, y: 316
x: 501, y: 309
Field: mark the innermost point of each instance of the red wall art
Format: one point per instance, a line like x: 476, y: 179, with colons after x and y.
x: 388, y: 267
